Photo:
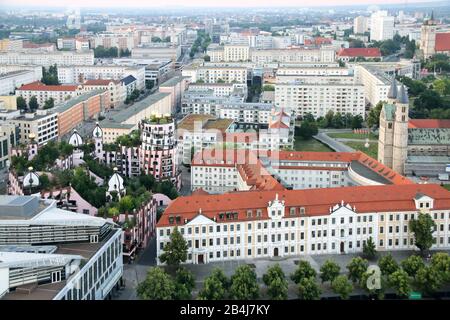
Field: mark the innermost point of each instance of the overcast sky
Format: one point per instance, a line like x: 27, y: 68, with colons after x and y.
x: 198, y: 3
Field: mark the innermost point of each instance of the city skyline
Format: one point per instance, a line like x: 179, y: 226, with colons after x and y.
x: 207, y: 4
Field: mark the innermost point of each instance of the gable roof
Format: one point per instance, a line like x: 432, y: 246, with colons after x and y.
x: 360, y: 52
x: 39, y: 86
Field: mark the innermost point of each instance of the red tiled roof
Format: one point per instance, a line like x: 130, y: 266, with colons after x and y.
x: 38, y: 86
x: 442, y: 42
x: 428, y: 123
x: 278, y: 124
x: 316, y: 202
x: 359, y: 52
x: 236, y: 157
x: 318, y: 41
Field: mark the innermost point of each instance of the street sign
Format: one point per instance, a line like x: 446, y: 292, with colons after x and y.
x: 415, y: 296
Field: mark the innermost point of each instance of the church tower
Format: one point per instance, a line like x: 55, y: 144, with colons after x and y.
x: 386, y: 132
x: 400, y: 144
x: 393, y: 133
x: 428, y: 37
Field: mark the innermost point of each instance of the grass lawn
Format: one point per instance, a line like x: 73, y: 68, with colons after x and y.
x: 310, y: 145
x: 351, y: 135
x: 447, y: 186
x: 372, y: 151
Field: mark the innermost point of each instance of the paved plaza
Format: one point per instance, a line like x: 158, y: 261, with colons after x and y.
x: 135, y: 273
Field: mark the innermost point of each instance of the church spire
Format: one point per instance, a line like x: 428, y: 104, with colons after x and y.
x: 403, y: 95
x: 393, y: 90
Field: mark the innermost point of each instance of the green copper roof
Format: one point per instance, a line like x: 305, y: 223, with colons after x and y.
x: 389, y: 111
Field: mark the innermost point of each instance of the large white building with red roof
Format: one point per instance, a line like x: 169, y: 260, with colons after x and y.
x: 219, y: 170
x: 347, y: 54
x: 43, y: 92
x: 283, y: 223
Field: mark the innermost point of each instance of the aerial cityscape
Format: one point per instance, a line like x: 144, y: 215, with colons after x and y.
x: 245, y: 151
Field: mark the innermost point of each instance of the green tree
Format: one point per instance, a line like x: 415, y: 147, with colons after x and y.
x: 308, y: 289
x: 124, y: 53
x: 215, y: 286
x: 126, y: 204
x: 329, y: 271
x: 328, y: 119
x: 356, y: 268
x: 102, y: 52
x: 442, y: 86
x: 158, y: 285
x: 268, y: 87
x: 44, y: 181
x: 304, y: 270
x: 373, y: 120
x: 33, y: 103
x: 338, y: 121
x: 21, y: 103
x: 342, y: 286
x: 427, y: 100
x: 50, y: 103
x: 422, y: 227
x: 369, y: 249
x: 412, y: 264
x: 356, y: 122
x: 277, y: 289
x: 184, y: 284
x: 175, y: 251
x: 388, y: 265
x: 272, y: 273
x: 307, y: 130
x: 429, y: 279
x: 207, y: 58
x: 243, y: 284
x: 276, y: 283
x: 441, y: 262
x: 399, y: 280
x: 415, y: 87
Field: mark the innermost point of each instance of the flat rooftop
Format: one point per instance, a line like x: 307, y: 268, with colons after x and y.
x: 124, y: 114
x: 187, y: 123
x: 20, y: 207
x: 218, y: 124
x: 172, y: 81
x: 74, y: 101
x: 49, y: 291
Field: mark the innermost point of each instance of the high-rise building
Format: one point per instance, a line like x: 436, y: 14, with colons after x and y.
x: 360, y: 25
x: 428, y: 37
x: 381, y: 26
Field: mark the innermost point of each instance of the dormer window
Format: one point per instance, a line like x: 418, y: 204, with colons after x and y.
x: 249, y: 213
x: 292, y: 211
x: 258, y: 212
x: 302, y: 210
